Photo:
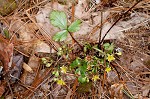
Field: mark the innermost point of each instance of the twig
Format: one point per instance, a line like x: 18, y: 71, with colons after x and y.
x: 73, y: 12
x: 118, y: 21
x: 72, y: 18
x: 114, y: 66
x: 100, y: 32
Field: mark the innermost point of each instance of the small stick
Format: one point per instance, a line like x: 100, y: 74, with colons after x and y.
x: 72, y: 18
x: 100, y: 32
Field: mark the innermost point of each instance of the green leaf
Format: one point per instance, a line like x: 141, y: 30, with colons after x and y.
x: 77, y: 71
x: 97, y: 49
x: 48, y: 64
x: 44, y: 60
x: 83, y: 67
x: 58, y: 19
x: 60, y: 36
x: 6, y: 33
x: 56, y: 73
x: 60, y: 51
x: 87, y: 47
x: 2, y: 97
x: 100, y: 51
x: 106, y: 46
x: 82, y: 79
x: 75, y: 26
x: 94, y: 70
x: 109, y: 47
x: 76, y: 63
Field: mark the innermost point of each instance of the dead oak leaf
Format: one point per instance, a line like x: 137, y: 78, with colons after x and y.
x: 6, y: 54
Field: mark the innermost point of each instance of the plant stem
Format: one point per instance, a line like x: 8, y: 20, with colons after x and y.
x: 100, y: 32
x: 76, y: 41
x: 72, y: 18
x: 100, y: 43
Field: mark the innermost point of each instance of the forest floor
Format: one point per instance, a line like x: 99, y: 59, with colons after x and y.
x: 103, y: 51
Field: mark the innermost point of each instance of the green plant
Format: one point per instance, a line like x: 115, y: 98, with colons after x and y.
x: 47, y: 61
x: 86, y: 68
x: 59, y: 19
x: 89, y: 67
x: 80, y: 66
x: 64, y: 50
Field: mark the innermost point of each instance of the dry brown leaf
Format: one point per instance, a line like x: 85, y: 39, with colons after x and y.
x: 112, y: 76
x: 43, y: 21
x: 132, y: 87
x: 2, y: 90
x: 116, y: 90
x: 42, y: 47
x: 22, y: 29
x: 115, y: 33
x: 27, y: 68
x: 24, y: 36
x: 68, y: 94
x: 145, y: 89
x: 28, y: 77
x: 15, y: 72
x: 80, y: 10
x: 34, y: 62
x: 6, y: 55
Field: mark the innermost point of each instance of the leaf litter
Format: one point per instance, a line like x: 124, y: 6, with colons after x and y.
x: 31, y: 37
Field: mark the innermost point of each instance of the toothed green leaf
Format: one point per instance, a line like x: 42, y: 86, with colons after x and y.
x: 58, y: 19
x: 75, y: 26
x: 60, y: 36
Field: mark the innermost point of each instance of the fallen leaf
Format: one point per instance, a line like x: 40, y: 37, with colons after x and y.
x: 2, y: 90
x: 33, y: 62
x: 6, y: 54
x: 22, y: 29
x: 42, y: 47
x: 68, y: 94
x: 114, y: 33
x: 28, y: 77
x: 80, y: 10
x: 27, y: 68
x: 116, y: 90
x: 16, y: 71
x: 145, y: 89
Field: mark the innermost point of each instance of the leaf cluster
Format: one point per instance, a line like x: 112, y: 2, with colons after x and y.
x: 91, y: 66
x: 59, y: 19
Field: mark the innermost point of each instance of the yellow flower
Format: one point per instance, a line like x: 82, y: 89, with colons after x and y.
x: 119, y: 53
x: 61, y: 82
x: 108, y: 69
x: 95, y: 78
x: 110, y: 57
x: 63, y: 69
